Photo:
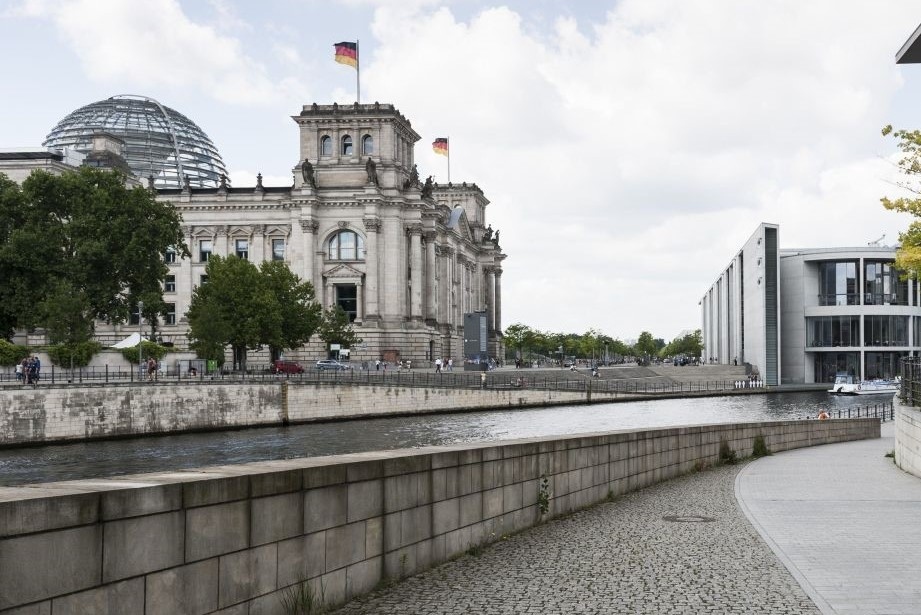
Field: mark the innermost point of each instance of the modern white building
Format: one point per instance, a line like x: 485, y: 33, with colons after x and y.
x: 405, y: 258
x: 804, y: 315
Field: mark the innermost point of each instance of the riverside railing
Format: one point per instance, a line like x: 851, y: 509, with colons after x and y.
x: 910, y: 389
x: 496, y: 379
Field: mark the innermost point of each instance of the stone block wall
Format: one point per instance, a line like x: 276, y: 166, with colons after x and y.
x: 235, y: 539
x: 65, y: 412
x: 908, y: 437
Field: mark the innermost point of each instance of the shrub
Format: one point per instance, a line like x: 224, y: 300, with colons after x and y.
x: 759, y: 448
x: 11, y: 354
x: 78, y: 355
x: 727, y: 455
x: 150, y: 350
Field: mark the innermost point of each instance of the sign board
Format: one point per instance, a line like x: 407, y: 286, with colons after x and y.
x: 335, y: 346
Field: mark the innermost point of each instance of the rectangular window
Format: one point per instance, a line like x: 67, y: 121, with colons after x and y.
x: 204, y: 250
x: 882, y: 285
x: 135, y: 317
x: 171, y: 313
x: 203, y: 279
x: 169, y: 284
x: 242, y: 248
x: 885, y: 330
x: 278, y: 249
x: 169, y: 256
x: 838, y: 283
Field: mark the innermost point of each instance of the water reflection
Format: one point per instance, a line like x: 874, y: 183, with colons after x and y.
x: 159, y: 453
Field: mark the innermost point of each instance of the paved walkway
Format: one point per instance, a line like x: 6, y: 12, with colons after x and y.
x: 845, y: 521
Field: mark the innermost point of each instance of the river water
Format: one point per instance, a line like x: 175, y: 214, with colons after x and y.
x: 58, y: 462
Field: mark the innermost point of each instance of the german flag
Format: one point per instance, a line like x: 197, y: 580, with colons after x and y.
x: 347, y: 53
x: 440, y: 146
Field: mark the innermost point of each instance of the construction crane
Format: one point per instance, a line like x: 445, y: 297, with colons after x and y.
x: 877, y: 242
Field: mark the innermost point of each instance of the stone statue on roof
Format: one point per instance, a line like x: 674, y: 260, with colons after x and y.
x: 307, y: 173
x: 488, y: 235
x: 371, y: 170
x: 428, y: 187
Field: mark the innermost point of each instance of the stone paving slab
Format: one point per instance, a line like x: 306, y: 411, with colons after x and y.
x: 846, y: 522
x: 617, y: 557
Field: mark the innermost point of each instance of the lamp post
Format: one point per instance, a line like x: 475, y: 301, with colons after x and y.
x: 140, y: 338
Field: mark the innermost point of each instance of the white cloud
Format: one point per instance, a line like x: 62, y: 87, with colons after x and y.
x: 628, y: 162
x: 154, y: 43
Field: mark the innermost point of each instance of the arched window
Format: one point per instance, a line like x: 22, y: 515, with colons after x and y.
x: 367, y: 145
x: 326, y: 146
x: 346, y: 246
x: 346, y: 145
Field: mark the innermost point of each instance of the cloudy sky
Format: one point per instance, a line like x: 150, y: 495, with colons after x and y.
x: 628, y: 147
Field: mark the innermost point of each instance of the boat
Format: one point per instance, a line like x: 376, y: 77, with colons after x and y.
x: 846, y: 384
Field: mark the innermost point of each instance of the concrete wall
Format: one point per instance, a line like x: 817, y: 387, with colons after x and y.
x: 58, y: 413
x: 908, y: 438
x: 235, y: 539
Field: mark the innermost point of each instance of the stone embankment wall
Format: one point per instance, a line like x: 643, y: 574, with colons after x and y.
x: 56, y: 413
x: 236, y: 539
x: 908, y: 438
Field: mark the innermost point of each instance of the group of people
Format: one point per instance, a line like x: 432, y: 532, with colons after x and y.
x: 28, y: 371
x: 152, y: 367
x: 444, y: 365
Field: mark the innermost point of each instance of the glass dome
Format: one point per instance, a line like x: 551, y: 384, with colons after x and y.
x: 159, y: 141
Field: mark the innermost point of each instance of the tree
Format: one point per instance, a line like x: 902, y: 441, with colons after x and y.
x: 908, y: 256
x: 299, y: 314
x: 87, y: 232
x: 515, y: 336
x: 234, y: 307
x: 645, y: 346
x: 335, y: 328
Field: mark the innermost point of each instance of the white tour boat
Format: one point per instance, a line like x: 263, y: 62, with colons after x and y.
x: 845, y: 384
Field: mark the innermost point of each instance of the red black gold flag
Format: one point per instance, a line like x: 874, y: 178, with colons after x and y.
x: 347, y: 53
x: 440, y: 146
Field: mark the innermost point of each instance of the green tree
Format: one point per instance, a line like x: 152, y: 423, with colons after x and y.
x: 335, y: 328
x: 299, y: 314
x: 235, y: 307
x: 908, y: 256
x: 516, y: 335
x: 645, y: 346
x: 86, y: 231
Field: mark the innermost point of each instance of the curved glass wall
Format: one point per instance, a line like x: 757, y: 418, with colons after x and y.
x: 885, y: 330
x: 883, y: 364
x: 159, y: 141
x: 829, y: 364
x: 882, y: 286
x: 826, y: 331
x: 838, y: 283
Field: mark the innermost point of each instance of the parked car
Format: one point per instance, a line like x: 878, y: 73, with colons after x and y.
x: 324, y: 364
x: 287, y: 367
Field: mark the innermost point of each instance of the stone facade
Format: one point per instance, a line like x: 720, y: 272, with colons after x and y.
x: 406, y: 257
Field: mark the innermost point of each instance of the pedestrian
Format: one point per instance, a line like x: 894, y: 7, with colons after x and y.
x: 20, y: 374
x: 438, y: 365
x: 450, y: 364
x: 482, y: 380
x: 377, y: 365
x: 823, y: 415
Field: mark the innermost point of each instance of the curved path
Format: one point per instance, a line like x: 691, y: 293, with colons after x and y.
x: 844, y: 520
x: 630, y: 556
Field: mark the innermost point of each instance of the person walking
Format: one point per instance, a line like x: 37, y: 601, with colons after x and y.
x: 438, y: 365
x: 482, y: 380
x: 20, y: 375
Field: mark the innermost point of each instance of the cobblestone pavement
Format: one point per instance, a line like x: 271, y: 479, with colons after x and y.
x: 617, y: 557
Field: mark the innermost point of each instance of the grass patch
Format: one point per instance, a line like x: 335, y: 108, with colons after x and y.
x: 727, y: 455
x: 301, y: 600
x: 759, y: 448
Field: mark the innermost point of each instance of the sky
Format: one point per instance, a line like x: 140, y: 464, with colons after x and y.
x: 628, y: 147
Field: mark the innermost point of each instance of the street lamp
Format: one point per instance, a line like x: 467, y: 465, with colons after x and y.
x: 140, y: 337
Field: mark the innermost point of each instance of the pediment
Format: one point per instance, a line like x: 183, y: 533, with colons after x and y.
x: 343, y: 271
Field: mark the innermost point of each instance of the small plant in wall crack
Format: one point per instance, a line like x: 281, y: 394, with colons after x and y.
x: 543, y: 495
x: 759, y: 448
x: 300, y: 600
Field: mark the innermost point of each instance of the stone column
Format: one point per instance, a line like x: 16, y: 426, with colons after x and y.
x: 415, y: 264
x: 257, y: 250
x: 446, y: 282
x: 309, y: 229
x: 430, y: 315
x: 372, y: 228
x: 498, y: 300
x: 359, y: 298
x: 491, y: 299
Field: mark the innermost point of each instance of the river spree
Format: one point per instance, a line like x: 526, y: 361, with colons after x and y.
x: 173, y: 452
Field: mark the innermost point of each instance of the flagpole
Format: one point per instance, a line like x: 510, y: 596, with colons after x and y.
x: 449, y: 160
x: 357, y: 72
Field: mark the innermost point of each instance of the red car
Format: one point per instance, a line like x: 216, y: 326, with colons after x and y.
x: 287, y: 367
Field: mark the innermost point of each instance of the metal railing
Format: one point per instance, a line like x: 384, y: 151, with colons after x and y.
x: 497, y: 379
x: 910, y: 390
x: 884, y: 412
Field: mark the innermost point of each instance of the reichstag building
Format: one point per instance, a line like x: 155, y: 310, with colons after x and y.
x: 405, y: 257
